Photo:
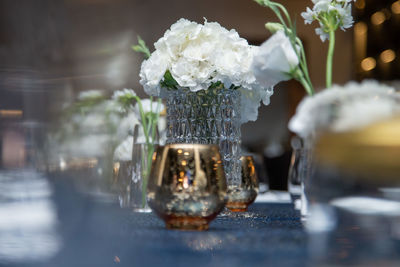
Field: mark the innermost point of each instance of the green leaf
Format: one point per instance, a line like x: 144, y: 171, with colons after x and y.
x: 216, y: 85
x: 169, y: 81
x: 141, y: 47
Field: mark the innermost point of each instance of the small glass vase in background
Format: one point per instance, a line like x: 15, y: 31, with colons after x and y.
x: 300, y: 169
x: 142, y: 154
x: 296, y: 171
x: 132, y: 176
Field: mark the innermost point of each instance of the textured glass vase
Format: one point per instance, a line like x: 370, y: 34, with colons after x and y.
x: 207, y: 117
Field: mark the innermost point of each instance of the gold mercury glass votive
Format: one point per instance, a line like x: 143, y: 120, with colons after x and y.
x: 241, y: 196
x: 187, y: 185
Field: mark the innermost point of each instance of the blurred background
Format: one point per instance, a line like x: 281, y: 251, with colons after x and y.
x: 52, y: 50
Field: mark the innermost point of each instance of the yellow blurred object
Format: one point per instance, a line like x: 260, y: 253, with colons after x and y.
x: 372, y: 152
x: 11, y: 113
x: 368, y: 64
x: 378, y: 18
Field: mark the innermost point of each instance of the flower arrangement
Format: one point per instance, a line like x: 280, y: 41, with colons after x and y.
x: 200, y: 57
x: 148, y: 112
x: 330, y: 14
x: 87, y: 126
x: 344, y: 108
x: 102, y: 127
x: 339, y: 108
x: 94, y: 122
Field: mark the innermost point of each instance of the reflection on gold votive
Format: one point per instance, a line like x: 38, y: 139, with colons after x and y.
x: 241, y: 196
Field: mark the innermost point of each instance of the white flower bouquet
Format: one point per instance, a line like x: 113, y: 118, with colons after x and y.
x: 204, y: 72
x: 202, y: 56
x: 344, y: 108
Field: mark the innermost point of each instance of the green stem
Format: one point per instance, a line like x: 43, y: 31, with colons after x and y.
x: 277, y: 8
x: 156, y: 120
x: 143, y: 118
x: 146, y: 171
x: 329, y: 60
x: 144, y: 178
x: 278, y: 14
x: 283, y: 9
x: 149, y: 124
x: 307, y: 86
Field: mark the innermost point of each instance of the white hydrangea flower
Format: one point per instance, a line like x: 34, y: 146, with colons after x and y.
x: 356, y: 114
x: 152, y: 72
x: 330, y: 14
x: 343, y: 108
x: 199, y: 55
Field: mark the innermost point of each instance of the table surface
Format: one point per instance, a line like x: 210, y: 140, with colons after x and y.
x: 103, y: 235
x: 91, y: 233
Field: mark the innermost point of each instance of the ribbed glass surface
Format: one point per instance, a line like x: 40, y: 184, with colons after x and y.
x: 207, y: 117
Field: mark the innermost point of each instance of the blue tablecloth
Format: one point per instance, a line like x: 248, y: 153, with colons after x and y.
x: 104, y: 235
x: 46, y: 222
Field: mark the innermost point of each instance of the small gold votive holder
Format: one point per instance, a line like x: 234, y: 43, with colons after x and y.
x: 187, y: 185
x: 243, y: 195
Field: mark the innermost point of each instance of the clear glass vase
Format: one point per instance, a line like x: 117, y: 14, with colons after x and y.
x: 296, y: 171
x: 300, y: 171
x: 142, y: 154
x: 132, y: 175
x: 207, y: 117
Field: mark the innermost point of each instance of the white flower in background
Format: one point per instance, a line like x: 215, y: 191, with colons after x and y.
x: 330, y: 14
x: 123, y: 152
x: 89, y: 145
x: 344, y: 108
x: 90, y: 94
x: 361, y: 113
x: 93, y: 121
x: 123, y: 93
x: 275, y: 60
x: 127, y: 124
x: 112, y: 106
